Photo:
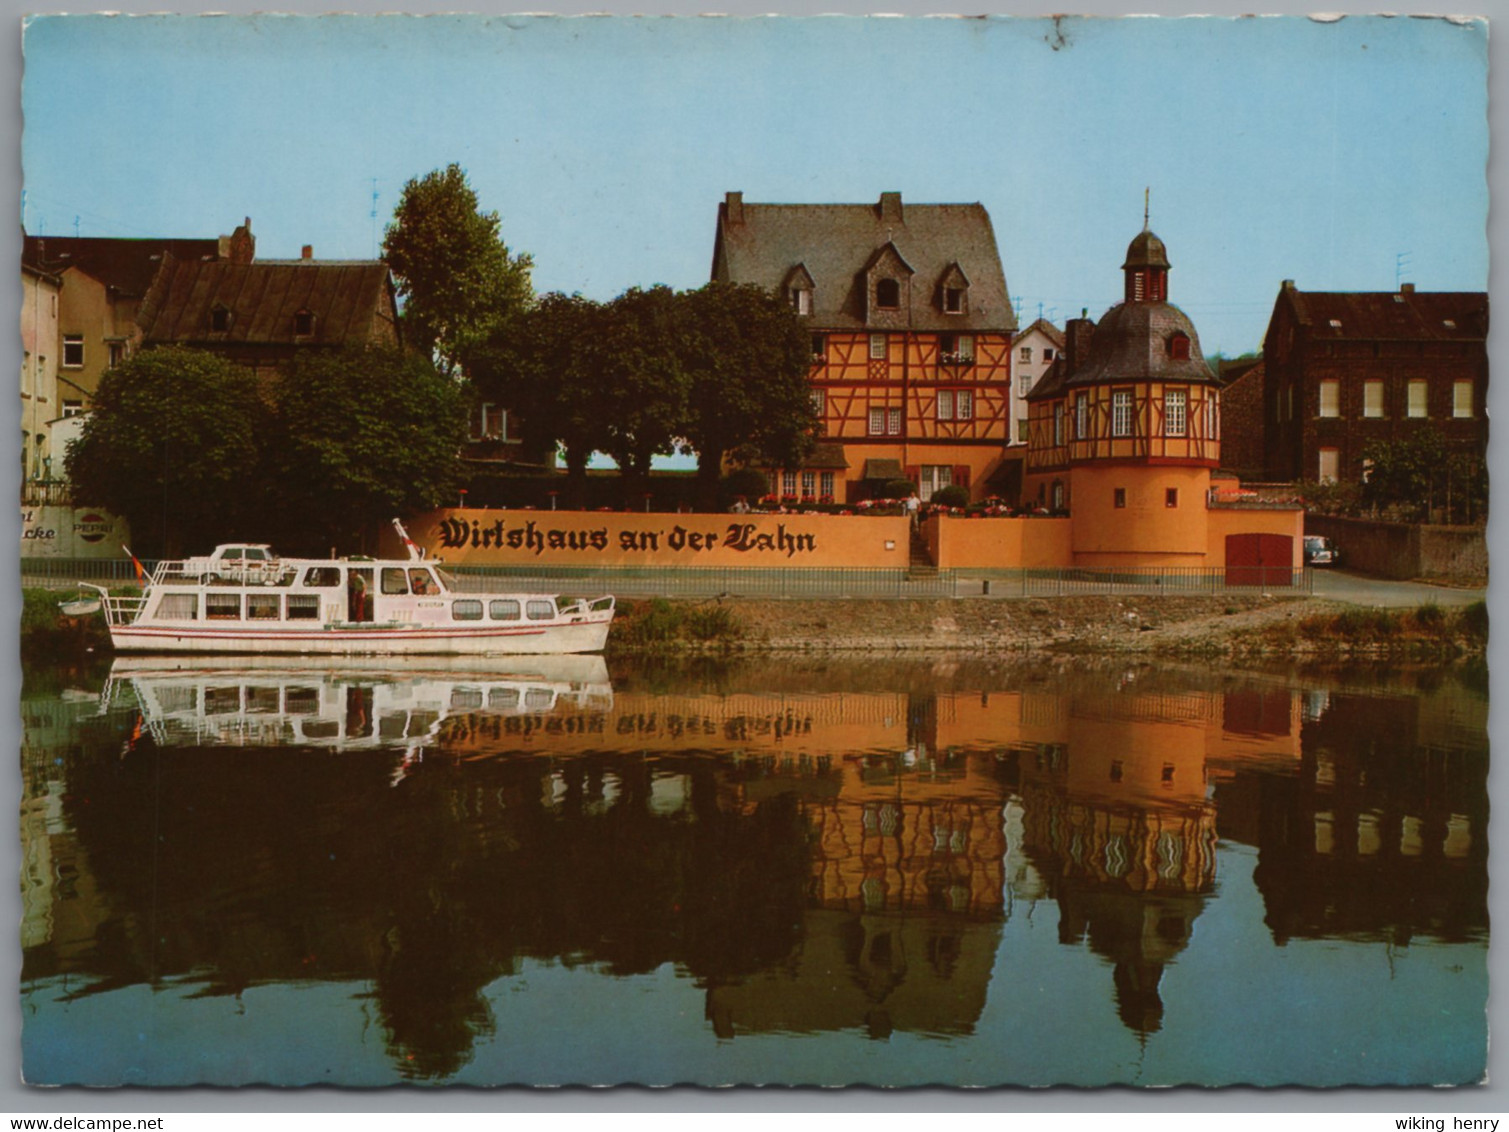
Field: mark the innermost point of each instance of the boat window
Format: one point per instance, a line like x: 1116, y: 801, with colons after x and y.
x: 303, y: 607
x: 466, y: 699
x: 393, y: 725
x: 262, y: 698
x: 421, y: 582
x: 393, y: 581
x: 301, y: 701
x: 537, y: 699
x: 231, y: 552
x: 222, y: 607
x: 322, y: 577
x: 222, y: 701
x: 503, y: 699
x: 256, y: 554
x: 321, y: 729
x: 467, y: 609
x: 540, y: 609
x: 179, y: 607
x: 504, y: 609
x: 262, y: 607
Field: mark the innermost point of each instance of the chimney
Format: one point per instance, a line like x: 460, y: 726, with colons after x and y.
x: 733, y: 206
x: 308, y: 252
x: 1077, y: 332
x: 240, y: 246
x: 1406, y: 288
x: 1288, y: 285
x: 890, y: 209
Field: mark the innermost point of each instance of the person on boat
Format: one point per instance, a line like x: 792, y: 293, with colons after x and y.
x: 357, y: 597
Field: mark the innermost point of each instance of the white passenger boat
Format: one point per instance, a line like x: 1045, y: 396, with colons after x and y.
x: 245, y: 599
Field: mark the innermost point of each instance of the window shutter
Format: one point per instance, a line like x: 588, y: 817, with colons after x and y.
x: 914, y: 473
x: 961, y: 475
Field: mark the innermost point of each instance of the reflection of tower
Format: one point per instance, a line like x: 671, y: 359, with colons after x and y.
x: 1116, y: 818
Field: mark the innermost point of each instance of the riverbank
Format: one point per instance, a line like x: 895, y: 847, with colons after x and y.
x: 1194, y: 627
x: 1189, y: 627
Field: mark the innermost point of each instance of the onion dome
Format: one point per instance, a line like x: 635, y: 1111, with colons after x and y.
x: 1146, y: 250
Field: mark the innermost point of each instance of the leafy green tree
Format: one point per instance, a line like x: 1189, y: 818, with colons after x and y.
x: 172, y: 444
x: 1420, y: 473
x: 636, y: 365
x: 362, y: 436
x: 455, y: 274
x: 542, y: 363
x: 747, y: 360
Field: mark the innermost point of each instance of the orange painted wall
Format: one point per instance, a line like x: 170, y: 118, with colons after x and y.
x: 1244, y: 521
x: 981, y: 461
x: 609, y: 539
x: 1146, y: 529
x: 956, y: 543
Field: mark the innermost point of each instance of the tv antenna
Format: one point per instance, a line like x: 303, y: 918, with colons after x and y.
x: 1402, y: 267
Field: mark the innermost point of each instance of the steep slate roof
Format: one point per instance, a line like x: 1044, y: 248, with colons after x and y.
x: 837, y: 241
x: 262, y: 298
x: 1131, y: 343
x: 1403, y: 315
x: 126, y: 265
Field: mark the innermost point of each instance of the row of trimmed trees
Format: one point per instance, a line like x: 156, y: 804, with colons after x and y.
x: 188, y: 446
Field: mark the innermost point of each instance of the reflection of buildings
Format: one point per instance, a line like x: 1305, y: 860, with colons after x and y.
x: 1381, y: 833
x: 817, y: 862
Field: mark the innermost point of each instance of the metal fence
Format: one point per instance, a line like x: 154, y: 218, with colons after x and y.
x: 795, y: 582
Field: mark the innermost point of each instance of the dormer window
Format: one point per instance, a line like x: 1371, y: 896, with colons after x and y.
x: 798, y: 289
x: 888, y: 294
x: 220, y: 317
x: 800, y: 299
x: 1178, y: 348
x: 953, y: 290
x: 303, y: 324
x: 953, y: 300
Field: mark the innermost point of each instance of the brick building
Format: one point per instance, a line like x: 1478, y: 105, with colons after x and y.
x: 1344, y: 369
x: 912, y: 332
x: 1243, y: 452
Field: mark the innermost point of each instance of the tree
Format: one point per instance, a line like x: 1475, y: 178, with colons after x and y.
x: 1420, y: 473
x: 543, y: 364
x: 748, y: 396
x: 362, y: 436
x: 455, y: 275
x: 636, y: 365
x: 171, y: 444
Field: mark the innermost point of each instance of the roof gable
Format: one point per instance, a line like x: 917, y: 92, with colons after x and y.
x: 1404, y: 315
x: 839, y: 243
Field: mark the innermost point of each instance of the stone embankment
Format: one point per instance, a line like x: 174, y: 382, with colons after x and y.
x: 1190, y: 626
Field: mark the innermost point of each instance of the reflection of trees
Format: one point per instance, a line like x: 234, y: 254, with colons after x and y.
x: 240, y: 868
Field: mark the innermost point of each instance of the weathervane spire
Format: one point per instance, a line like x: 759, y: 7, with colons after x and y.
x: 1146, y: 196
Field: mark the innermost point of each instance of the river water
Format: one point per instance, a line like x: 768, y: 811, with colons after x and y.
x: 804, y: 872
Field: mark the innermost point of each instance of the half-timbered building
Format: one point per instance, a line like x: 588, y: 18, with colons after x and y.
x: 1125, y: 432
x: 911, y: 329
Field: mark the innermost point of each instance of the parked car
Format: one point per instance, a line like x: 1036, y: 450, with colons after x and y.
x: 1321, y: 552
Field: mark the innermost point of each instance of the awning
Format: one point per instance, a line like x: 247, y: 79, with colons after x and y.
x: 826, y: 456
x: 883, y: 470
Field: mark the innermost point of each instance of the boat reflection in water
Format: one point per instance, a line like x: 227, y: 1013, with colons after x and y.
x: 345, y: 704
x: 819, y: 863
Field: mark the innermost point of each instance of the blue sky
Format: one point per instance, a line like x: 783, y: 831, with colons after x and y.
x: 1275, y: 148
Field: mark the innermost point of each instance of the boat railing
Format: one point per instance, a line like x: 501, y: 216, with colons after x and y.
x: 581, y: 607
x: 227, y: 572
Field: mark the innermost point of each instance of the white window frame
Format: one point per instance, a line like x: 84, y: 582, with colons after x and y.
x: 1329, y: 404
x: 809, y: 485
x: 893, y: 422
x: 1372, y: 399
x: 825, y: 484
x: 801, y: 300
x: 877, y: 421
x: 820, y: 402
x: 1461, y: 399
x: 73, y: 342
x: 964, y: 405
x: 878, y: 348
x: 1024, y: 354
x: 1081, y: 416
x: 788, y: 483
x: 1328, y: 465
x: 1058, y: 424
x: 1122, y: 425
x: 945, y: 404
x: 1175, y: 412
x: 1419, y: 399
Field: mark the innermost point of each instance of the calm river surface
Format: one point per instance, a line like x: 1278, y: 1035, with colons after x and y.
x: 902, y: 873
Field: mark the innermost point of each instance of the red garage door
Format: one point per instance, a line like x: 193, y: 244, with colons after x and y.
x: 1260, y: 560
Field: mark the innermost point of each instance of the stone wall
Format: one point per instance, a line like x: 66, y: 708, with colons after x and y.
x: 1407, y: 550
